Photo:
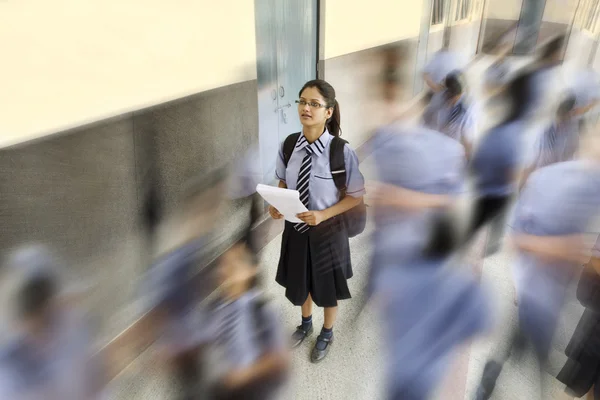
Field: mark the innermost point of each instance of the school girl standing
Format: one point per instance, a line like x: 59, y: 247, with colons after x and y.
x: 314, y: 263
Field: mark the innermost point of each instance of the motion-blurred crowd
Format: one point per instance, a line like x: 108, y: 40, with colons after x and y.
x: 518, y: 155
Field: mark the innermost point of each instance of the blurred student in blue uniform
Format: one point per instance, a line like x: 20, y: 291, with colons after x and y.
x: 585, y: 86
x: 50, y: 354
x: 420, y: 171
x: 558, y: 142
x: 545, y: 79
x: 429, y: 307
x: 245, y: 175
x: 498, y: 73
x: 456, y: 116
x: 435, y: 72
x: 497, y: 163
x: 552, y: 215
x: 440, y: 65
x: 248, y: 347
x: 177, y: 282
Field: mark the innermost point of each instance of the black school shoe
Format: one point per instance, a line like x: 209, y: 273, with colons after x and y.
x: 321, y: 348
x: 299, y: 335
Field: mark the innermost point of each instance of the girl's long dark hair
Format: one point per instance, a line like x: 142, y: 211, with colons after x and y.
x: 518, y: 97
x: 455, y: 84
x: 519, y: 92
x: 328, y: 93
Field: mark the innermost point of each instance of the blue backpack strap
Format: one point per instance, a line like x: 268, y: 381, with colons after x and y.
x: 355, y: 219
x: 337, y: 164
x: 288, y: 146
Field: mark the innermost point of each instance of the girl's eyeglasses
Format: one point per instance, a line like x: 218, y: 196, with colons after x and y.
x: 312, y: 104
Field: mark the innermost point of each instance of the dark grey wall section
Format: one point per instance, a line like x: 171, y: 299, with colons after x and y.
x: 356, y: 78
x: 77, y: 193
x: 198, y: 133
x: 82, y: 191
x: 191, y: 136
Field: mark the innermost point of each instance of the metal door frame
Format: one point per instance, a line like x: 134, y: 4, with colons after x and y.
x: 320, y: 67
x: 523, y: 3
x: 447, y: 32
x: 266, y: 141
x: 482, y: 26
x: 422, y: 45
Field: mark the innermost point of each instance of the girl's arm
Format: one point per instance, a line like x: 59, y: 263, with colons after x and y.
x: 401, y: 198
x: 313, y: 218
x: 436, y: 87
x: 570, y: 248
x: 341, y: 207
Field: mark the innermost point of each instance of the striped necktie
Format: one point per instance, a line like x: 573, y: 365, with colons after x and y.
x: 455, y: 114
x: 228, y: 326
x: 549, y: 145
x: 302, y: 186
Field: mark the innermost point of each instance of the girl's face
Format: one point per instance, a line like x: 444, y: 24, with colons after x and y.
x: 312, y: 108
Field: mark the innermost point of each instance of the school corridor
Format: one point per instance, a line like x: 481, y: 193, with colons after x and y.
x: 109, y: 107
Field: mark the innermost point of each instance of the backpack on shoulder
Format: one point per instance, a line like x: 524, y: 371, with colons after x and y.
x: 354, y: 219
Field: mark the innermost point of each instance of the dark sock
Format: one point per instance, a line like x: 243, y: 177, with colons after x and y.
x: 306, y: 322
x: 327, y: 333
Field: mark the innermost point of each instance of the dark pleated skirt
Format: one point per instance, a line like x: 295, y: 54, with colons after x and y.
x: 582, y: 369
x: 315, y: 262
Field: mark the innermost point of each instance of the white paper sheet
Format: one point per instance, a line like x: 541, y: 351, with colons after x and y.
x: 286, y: 201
